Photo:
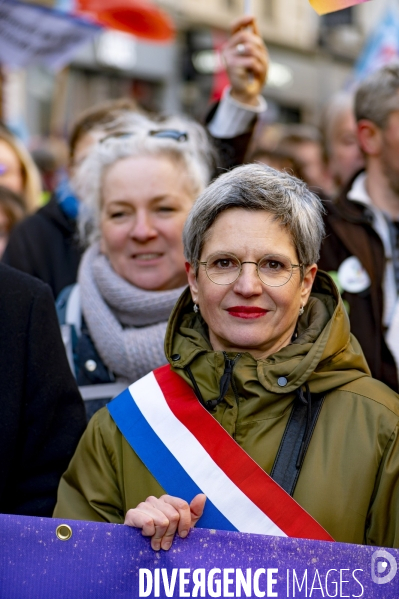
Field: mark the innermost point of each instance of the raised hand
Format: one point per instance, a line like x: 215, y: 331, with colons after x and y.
x: 246, y: 59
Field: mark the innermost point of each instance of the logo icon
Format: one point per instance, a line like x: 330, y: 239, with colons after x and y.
x: 383, y: 567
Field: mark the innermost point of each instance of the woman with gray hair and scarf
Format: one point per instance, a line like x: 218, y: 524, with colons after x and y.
x: 266, y: 409
x: 138, y: 185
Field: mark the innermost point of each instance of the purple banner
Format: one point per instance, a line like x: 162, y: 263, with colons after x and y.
x: 65, y: 559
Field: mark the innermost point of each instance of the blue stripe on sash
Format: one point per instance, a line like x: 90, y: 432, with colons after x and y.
x: 159, y: 460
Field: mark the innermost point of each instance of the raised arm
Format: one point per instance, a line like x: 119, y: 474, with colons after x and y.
x: 232, y: 121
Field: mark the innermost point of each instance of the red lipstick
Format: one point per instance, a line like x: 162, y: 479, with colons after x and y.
x: 246, y: 311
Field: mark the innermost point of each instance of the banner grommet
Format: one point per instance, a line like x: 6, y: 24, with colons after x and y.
x: 63, y: 532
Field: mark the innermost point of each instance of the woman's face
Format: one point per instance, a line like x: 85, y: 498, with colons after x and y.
x: 10, y: 168
x: 248, y: 315
x: 146, y: 201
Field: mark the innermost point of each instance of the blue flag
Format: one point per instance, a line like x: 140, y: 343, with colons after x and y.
x: 382, y: 47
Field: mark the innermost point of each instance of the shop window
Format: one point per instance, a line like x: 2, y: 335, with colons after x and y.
x: 338, y: 18
x: 332, y: 32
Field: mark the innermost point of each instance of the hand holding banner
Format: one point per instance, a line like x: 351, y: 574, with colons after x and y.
x: 325, y: 6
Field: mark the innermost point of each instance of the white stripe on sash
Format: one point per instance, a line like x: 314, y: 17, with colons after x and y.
x: 216, y: 485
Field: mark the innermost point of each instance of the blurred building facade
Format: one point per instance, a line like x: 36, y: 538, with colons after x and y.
x: 312, y: 57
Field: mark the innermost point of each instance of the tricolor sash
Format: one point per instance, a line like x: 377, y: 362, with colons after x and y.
x: 189, y: 452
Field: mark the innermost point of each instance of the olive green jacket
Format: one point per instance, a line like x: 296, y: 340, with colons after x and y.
x: 349, y: 481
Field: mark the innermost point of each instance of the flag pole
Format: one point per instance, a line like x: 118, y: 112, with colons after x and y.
x: 248, y: 11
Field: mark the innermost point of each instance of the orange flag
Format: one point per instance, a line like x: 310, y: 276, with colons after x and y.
x: 325, y: 6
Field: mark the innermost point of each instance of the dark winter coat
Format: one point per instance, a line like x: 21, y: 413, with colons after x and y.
x: 42, y: 413
x: 45, y: 245
x: 349, y: 232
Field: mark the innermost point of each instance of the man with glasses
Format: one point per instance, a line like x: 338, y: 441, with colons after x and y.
x: 361, y: 247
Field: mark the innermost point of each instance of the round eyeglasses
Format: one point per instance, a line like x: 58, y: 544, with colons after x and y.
x: 273, y: 270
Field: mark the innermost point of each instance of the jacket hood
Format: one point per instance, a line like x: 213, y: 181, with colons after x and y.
x: 324, y: 354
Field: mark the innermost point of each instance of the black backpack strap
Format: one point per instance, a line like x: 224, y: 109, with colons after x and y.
x: 295, y: 440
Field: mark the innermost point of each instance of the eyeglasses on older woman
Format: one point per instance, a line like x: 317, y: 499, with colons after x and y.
x: 273, y: 270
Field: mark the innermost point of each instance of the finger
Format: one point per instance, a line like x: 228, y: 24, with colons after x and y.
x: 255, y: 27
x: 247, y: 38
x: 249, y: 63
x: 245, y: 23
x: 237, y: 61
x: 247, y: 35
x: 183, y: 509
x: 240, y: 74
x: 165, y: 520
x: 150, y: 520
x: 242, y: 22
x: 251, y: 53
x: 171, y: 507
x: 197, y: 506
x: 138, y: 519
x: 234, y: 55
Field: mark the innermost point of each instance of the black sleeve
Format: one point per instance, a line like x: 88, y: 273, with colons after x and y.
x: 45, y: 246
x: 20, y: 252
x: 231, y: 151
x: 333, y: 251
x: 51, y: 416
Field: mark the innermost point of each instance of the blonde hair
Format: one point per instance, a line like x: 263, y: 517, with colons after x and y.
x: 32, y: 186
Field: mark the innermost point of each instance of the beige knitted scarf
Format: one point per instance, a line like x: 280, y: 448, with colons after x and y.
x: 126, y: 324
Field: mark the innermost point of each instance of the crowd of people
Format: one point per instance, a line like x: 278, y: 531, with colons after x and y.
x: 254, y: 268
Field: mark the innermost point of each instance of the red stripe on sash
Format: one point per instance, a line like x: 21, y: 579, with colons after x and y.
x: 254, y: 482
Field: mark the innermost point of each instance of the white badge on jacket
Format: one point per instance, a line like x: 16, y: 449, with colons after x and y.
x: 352, y: 276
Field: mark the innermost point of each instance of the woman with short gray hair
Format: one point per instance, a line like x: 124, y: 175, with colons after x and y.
x: 259, y: 187
x: 266, y: 410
